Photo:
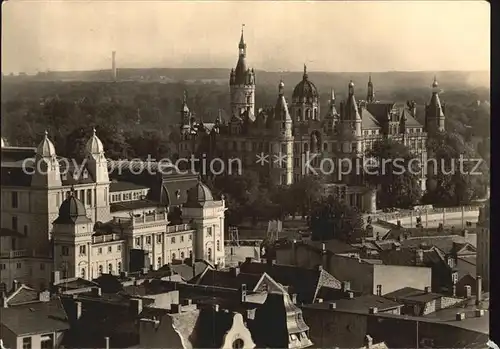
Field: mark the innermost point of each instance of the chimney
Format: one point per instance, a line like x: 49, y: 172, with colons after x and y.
x: 44, y: 296
x: 479, y: 312
x: 235, y: 271
x: 294, y: 298
x: 175, y: 308
x: 332, y: 306
x: 419, y: 256
x: 56, y: 277
x: 123, y: 274
x: 468, y: 291
x: 15, y: 285
x: 136, y: 306
x: 372, y: 310
x: 248, y: 260
x: 368, y: 341
x: 188, y: 301
x: 379, y: 290
x: 319, y: 300
x: 106, y: 339
x: 465, y: 233
x: 4, y: 300
x: 319, y: 267
x: 460, y: 316
x: 323, y: 247
x: 350, y: 295
x: 454, y: 290
x: 294, y: 252
x: 78, y: 309
x: 346, y: 286
x: 96, y: 291
x: 479, y: 290
x: 216, y: 307
x: 243, y: 292
x: 427, y: 289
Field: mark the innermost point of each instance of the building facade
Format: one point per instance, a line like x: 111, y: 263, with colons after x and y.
x: 61, y: 215
x: 297, y: 136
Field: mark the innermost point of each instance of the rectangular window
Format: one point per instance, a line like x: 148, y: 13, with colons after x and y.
x: 2, y: 266
x: 110, y: 249
x: 42, y: 266
x: 218, y: 245
x: 25, y: 230
x: 190, y: 237
x: 27, y: 343
x: 209, y: 231
x: 18, y: 265
x: 172, y: 240
x: 158, y: 239
x: 14, y: 223
x: 148, y: 240
x: 99, y: 251
x: 89, y: 197
x: 138, y: 242
x: 65, y: 250
x: 82, y: 196
x: 82, y: 249
x: 15, y: 199
x: 182, y: 238
x: 119, y: 247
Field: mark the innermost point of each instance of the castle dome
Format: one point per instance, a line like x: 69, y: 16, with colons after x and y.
x: 72, y: 211
x: 305, y: 89
x: 46, y: 147
x: 199, y: 194
x: 94, y: 144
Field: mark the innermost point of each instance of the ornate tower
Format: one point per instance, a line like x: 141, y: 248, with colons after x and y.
x: 332, y: 118
x: 97, y: 165
x: 282, y: 148
x: 185, y: 114
x: 434, y: 111
x: 72, y: 234
x: 206, y: 215
x: 305, y: 100
x: 370, y: 95
x: 242, y: 85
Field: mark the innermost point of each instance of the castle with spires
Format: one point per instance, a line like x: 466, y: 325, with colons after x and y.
x: 296, y: 130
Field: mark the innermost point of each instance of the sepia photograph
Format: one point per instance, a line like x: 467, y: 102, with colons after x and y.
x: 245, y: 174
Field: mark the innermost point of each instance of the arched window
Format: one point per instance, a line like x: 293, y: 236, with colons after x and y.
x: 299, y: 116
x: 238, y: 344
x: 119, y: 266
x: 190, y: 254
x: 100, y: 269
x: 159, y: 263
x: 173, y: 256
x: 83, y: 274
x: 315, y: 114
x: 308, y: 114
x: 209, y: 253
x: 182, y: 255
x: 218, y: 245
x: 110, y: 268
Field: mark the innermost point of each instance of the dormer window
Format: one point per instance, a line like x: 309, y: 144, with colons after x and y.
x: 85, y: 174
x: 64, y: 176
x: 75, y: 175
x: 178, y: 194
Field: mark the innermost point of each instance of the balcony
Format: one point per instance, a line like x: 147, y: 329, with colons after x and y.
x: 22, y: 254
x: 105, y: 238
x: 137, y: 220
x: 179, y: 228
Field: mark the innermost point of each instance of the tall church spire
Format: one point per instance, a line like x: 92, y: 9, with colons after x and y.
x: 435, y: 111
x: 242, y: 46
x: 370, y: 95
x: 305, y: 76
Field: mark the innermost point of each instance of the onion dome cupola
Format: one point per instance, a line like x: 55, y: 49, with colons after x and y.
x: 199, y: 196
x: 72, y: 211
x: 305, y: 91
x: 94, y: 144
x: 46, y: 148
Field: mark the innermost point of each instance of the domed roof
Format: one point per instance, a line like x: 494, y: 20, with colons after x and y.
x: 72, y: 211
x: 94, y: 144
x: 305, y: 88
x: 435, y: 83
x: 46, y: 147
x: 198, y: 195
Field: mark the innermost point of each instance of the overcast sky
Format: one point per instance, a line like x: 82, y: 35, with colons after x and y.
x: 328, y: 36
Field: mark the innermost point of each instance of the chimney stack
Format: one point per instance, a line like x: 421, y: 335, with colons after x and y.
x: 368, y: 341
x: 460, y: 316
x: 136, y: 306
x: 479, y: 312
x: 346, y: 286
x: 216, y: 307
x: 468, y: 291
x: 427, y: 289
x: 235, y: 271
x: 319, y: 300
x: 56, y: 277
x: 175, y: 308
x: 44, y: 296
x: 96, y: 291
x: 332, y: 306
x: 350, y: 295
x: 294, y: 252
x: 107, y: 342
x: 4, y: 300
x: 78, y: 309
x: 372, y: 310
x: 243, y: 293
x: 479, y: 290
x: 113, y: 65
x: 15, y: 285
x: 419, y: 256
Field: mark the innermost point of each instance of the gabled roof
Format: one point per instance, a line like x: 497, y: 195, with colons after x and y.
x: 368, y: 121
x: 124, y: 186
x: 410, y: 120
x: 22, y: 295
x: 227, y: 279
x: 413, y: 295
x: 35, y: 318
